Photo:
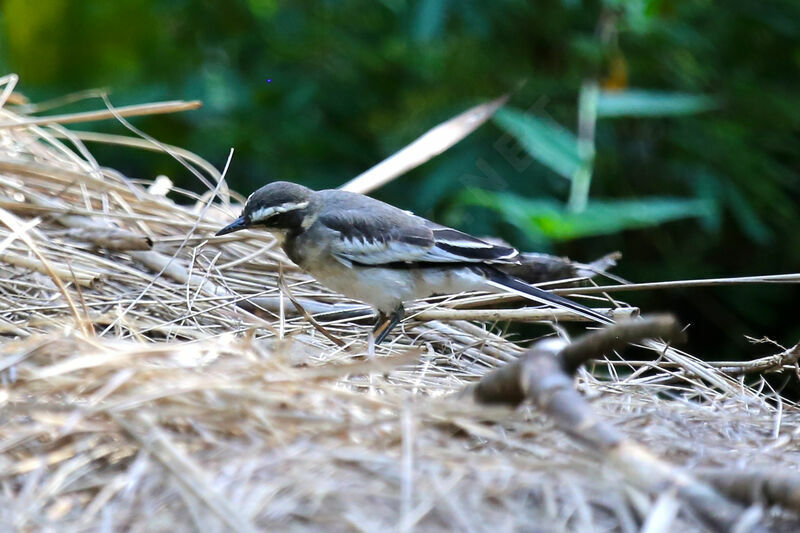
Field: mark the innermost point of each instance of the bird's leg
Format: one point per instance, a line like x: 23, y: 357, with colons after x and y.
x: 380, y: 324
x: 386, y: 324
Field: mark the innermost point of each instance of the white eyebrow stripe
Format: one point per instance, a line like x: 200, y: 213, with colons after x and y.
x: 266, y: 212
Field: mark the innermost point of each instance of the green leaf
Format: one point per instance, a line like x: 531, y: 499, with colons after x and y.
x: 725, y: 194
x: 747, y: 218
x: 430, y: 19
x: 641, y: 103
x: 548, y: 218
x: 545, y: 140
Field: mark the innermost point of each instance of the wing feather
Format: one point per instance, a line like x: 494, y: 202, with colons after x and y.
x: 377, y: 240
x: 391, y: 236
x: 449, y: 242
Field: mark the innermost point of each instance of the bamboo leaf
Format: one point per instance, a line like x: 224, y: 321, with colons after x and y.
x: 430, y: 144
x: 548, y: 218
x: 642, y: 103
x: 545, y: 140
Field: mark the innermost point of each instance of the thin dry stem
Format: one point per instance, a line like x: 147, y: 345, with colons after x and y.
x: 155, y: 108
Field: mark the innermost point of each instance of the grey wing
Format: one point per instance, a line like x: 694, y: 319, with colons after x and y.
x: 376, y: 237
x: 375, y: 240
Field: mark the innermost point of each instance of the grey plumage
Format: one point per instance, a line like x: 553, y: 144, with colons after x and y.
x: 374, y: 252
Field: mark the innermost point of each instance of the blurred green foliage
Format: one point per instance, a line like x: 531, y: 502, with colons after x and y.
x: 678, y: 120
x: 547, y: 220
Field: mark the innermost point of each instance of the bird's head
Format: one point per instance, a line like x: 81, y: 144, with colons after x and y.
x: 278, y: 206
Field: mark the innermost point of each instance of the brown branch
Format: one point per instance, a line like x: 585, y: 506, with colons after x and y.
x: 770, y: 487
x: 540, y: 268
x: 771, y: 363
x: 543, y: 375
x: 618, y: 337
x: 504, y: 385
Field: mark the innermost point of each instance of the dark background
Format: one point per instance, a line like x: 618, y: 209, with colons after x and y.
x: 699, y: 179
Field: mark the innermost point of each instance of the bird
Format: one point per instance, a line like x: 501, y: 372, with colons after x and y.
x: 382, y: 255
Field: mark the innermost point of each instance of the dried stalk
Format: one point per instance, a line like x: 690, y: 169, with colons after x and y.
x: 183, y: 468
x: 519, y: 315
x: 125, y: 111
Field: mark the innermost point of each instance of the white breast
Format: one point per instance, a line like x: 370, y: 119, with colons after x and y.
x: 386, y: 288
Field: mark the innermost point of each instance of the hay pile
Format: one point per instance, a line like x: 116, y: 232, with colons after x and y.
x: 137, y: 397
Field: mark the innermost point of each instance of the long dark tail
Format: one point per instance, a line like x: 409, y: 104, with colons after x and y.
x: 509, y: 283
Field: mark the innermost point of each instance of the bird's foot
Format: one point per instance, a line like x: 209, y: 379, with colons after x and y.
x: 386, y: 323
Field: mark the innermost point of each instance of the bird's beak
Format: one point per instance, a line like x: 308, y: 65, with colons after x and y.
x: 236, y: 225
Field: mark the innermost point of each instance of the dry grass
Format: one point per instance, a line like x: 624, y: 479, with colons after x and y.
x: 136, y: 397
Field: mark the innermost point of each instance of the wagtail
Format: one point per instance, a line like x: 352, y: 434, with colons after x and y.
x: 374, y: 252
